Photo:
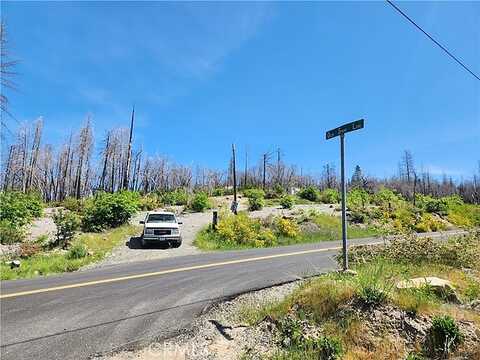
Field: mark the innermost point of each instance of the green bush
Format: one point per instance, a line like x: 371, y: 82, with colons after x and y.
x: 287, y: 201
x: 73, y: 204
x: 432, y: 205
x: 107, y: 210
x: 429, y: 223
x: 330, y: 196
x: 277, y: 192
x: 444, y: 335
x: 149, y: 202
x: 18, y: 208
x: 67, y: 223
x: 242, y: 230
x: 386, y: 199
x: 357, y: 199
x: 256, y: 199
x: 77, y: 251
x: 309, y: 193
x: 10, y: 233
x: 287, y: 227
x: 200, y: 202
x: 330, y: 348
x: 175, y: 197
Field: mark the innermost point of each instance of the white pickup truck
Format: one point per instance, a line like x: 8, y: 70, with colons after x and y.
x: 161, y: 227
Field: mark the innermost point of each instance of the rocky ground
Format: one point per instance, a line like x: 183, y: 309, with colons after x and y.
x: 219, y: 334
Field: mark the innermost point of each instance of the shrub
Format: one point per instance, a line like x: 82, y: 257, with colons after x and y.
x: 287, y: 227
x: 77, y: 251
x: 287, y: 201
x: 358, y: 216
x: 386, y: 199
x: 200, y: 202
x: 107, y: 210
x: 357, y: 199
x: 242, y: 230
x: 73, y: 204
x: 256, y: 199
x: 19, y: 208
x: 309, y: 193
x: 444, y: 335
x: 256, y: 203
x: 10, y: 233
x: 67, y: 223
x: 277, y: 192
x: 432, y: 205
x: 149, y: 202
x: 329, y: 348
x: 429, y: 223
x: 329, y: 196
x: 176, y: 197
x: 218, y: 192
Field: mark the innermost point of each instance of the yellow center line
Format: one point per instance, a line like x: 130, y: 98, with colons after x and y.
x: 164, y: 272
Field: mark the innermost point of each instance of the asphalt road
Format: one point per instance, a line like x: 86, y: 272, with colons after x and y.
x: 78, y: 315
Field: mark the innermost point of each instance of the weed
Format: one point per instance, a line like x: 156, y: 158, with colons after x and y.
x: 373, y: 285
x: 77, y: 251
x: 444, y: 335
x: 287, y: 201
x: 67, y: 223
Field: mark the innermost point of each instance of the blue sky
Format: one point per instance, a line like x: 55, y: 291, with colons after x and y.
x: 262, y: 75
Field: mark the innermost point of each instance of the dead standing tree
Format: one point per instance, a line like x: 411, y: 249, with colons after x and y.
x: 84, y: 150
x: 6, y: 73
x: 126, y: 172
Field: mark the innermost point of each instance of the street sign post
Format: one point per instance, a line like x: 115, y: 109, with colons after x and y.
x: 340, y: 131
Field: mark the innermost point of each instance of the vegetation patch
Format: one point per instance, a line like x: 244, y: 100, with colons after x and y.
x: 240, y: 231
x: 16, y: 211
x: 109, y: 210
x: 369, y: 317
x: 256, y: 199
x: 86, y: 249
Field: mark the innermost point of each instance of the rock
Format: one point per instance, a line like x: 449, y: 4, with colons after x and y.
x: 348, y: 272
x: 14, y: 264
x: 309, y: 227
x: 441, y: 287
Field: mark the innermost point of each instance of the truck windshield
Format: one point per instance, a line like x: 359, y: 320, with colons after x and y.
x: 161, y: 218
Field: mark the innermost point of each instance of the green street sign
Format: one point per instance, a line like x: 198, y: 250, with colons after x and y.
x: 355, y: 125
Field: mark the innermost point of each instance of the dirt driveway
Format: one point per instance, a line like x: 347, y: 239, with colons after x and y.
x: 192, y: 224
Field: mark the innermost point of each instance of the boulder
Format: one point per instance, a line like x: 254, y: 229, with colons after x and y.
x: 441, y: 287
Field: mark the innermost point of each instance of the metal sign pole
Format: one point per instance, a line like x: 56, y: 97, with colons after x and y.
x: 340, y: 131
x: 344, y: 201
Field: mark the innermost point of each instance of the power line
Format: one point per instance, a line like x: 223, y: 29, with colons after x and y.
x: 431, y: 38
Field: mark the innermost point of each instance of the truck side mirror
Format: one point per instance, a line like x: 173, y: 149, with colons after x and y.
x: 142, y: 222
x: 180, y: 223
